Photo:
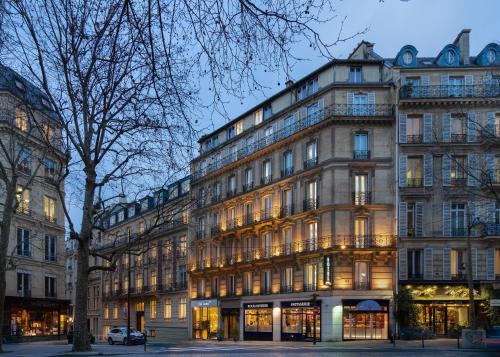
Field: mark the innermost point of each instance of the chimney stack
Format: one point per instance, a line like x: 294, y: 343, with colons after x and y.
x: 462, y: 42
x: 289, y: 83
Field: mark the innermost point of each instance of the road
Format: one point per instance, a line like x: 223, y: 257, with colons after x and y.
x: 46, y: 350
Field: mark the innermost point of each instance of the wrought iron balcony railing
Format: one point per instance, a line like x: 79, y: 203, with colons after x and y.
x: 266, y: 180
x: 215, y: 198
x: 459, y: 276
x: 484, y: 90
x: 265, y: 290
x: 231, y: 193
x: 309, y: 163
x: 458, y: 231
x: 361, y: 154
x: 215, y: 230
x: 311, y: 204
x: 248, y: 219
x: 310, y: 287
x: 490, y: 132
x: 286, y: 289
x: 415, y: 139
x: 286, y: 210
x: 231, y: 223
x: 361, y: 198
x: 266, y: 213
x: 362, y: 110
x: 200, y: 234
x: 458, y: 138
x: 287, y: 171
x: 248, y: 186
x: 247, y: 292
x: 416, y: 276
x: 415, y: 182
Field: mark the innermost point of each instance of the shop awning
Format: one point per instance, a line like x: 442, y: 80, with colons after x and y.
x: 368, y: 305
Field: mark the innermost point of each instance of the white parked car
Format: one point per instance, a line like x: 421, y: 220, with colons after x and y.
x: 119, y: 335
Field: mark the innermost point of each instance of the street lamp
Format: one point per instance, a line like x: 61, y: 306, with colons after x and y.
x: 476, y: 222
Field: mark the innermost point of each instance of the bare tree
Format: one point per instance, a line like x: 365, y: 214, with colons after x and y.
x: 27, y: 142
x: 126, y: 78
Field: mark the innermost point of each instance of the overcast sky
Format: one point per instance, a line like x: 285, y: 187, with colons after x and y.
x: 428, y: 25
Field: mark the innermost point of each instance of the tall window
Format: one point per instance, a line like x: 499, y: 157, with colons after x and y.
x: 360, y: 232
x: 21, y: 120
x: 266, y: 282
x: 286, y: 203
x: 23, y: 242
x: 217, y: 192
x: 249, y: 218
x: 24, y: 284
x: 248, y: 282
x: 115, y: 311
x: 361, y: 193
x: 361, y: 279
x: 414, y: 129
x: 415, y: 263
x: 23, y: 200
x: 48, y: 132
x: 152, y: 309
x: 153, y: 280
x: 288, y: 237
x: 455, y: 86
x: 355, y: 75
x: 411, y: 216
x: 215, y: 287
x: 182, y: 275
x: 230, y: 132
x: 50, y: 248
x: 24, y: 164
x: 266, y: 208
x: 232, y: 285
x: 182, y: 308
x: 361, y: 146
x: 458, y: 133
x: 267, y: 174
x: 307, y: 89
x: 231, y: 184
x: 266, y: 244
x: 50, y: 286
x: 360, y: 104
x: 457, y: 173
x: 138, y: 281
x: 268, y: 111
x: 310, y: 277
x: 182, y: 246
x: 287, y: 280
x: 167, y: 312
x: 311, y: 155
x: 287, y: 163
x: 458, y: 219
x: 312, y: 230
x: 414, y: 172
x: 458, y: 264
x: 248, y: 179
x: 313, y: 113
x: 312, y: 198
x: 49, y: 206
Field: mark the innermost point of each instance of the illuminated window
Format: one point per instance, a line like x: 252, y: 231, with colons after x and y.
x: 167, y: 312
x: 23, y: 199
x: 115, y: 311
x: 48, y: 132
x: 153, y: 280
x: 182, y: 246
x: 138, y: 282
x: 106, y: 311
x: 21, y: 120
x: 152, y: 309
x: 49, y: 208
x: 182, y: 308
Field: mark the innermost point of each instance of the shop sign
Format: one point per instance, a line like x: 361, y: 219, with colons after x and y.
x: 204, y: 303
x: 258, y: 305
x: 327, y: 270
x: 307, y: 303
x: 494, y: 302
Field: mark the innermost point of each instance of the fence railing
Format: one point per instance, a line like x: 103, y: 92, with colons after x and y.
x: 484, y: 90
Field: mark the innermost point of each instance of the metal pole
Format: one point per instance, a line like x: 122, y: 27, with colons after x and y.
x: 314, y: 318
x: 128, y: 291
x: 470, y: 282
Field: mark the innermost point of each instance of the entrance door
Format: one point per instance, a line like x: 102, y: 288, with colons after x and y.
x: 140, y: 321
x: 231, y: 326
x: 439, y: 317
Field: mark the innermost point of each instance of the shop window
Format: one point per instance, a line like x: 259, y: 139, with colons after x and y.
x: 298, y: 322
x: 182, y: 308
x: 258, y: 324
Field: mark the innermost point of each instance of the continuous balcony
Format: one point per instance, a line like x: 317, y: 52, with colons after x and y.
x: 450, y: 91
x: 361, y: 198
x: 361, y: 155
x: 331, y: 112
x: 311, y: 204
x: 243, y: 255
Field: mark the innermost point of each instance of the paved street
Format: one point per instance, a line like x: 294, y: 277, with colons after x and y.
x: 373, y: 348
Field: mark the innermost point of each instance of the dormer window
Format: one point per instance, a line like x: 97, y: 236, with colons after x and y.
x: 268, y: 111
x: 450, y: 56
x: 230, y: 133
x: 239, y: 127
x: 491, y: 56
x: 307, y: 89
x: 355, y: 75
x: 20, y: 85
x: 407, y: 58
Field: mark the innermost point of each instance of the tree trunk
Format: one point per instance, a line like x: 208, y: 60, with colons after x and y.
x: 80, y: 332
x: 4, y: 246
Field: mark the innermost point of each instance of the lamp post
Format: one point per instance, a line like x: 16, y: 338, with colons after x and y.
x: 470, y: 282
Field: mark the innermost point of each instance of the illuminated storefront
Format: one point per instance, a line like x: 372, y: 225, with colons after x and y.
x: 298, y: 319
x: 440, y: 317
x: 365, y: 319
x: 258, y: 321
x: 205, y: 315
x: 32, y: 317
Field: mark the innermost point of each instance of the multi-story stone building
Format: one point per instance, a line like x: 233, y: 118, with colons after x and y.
x: 293, y: 228
x: 152, y: 273
x: 35, y: 304
x: 448, y: 159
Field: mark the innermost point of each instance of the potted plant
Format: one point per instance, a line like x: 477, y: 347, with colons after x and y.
x: 234, y: 334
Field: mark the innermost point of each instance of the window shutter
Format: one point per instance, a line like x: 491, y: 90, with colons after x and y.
x: 446, y: 170
x: 403, y: 171
x: 490, y: 264
x: 471, y: 127
x: 402, y: 129
x: 419, y: 219
x: 428, y: 170
x: 350, y: 98
x: 428, y: 134
x: 446, y: 219
x: 490, y: 166
x: 446, y: 127
x: 474, y: 263
x: 490, y: 123
x: 446, y: 264
x: 472, y: 170
x: 47, y: 245
x: 428, y: 264
x: 490, y: 211
x: 403, y: 264
x: 403, y: 219
x: 19, y: 241
x: 425, y: 81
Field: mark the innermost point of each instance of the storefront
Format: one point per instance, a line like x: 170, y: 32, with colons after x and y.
x: 442, y: 316
x: 258, y: 321
x: 299, y: 321
x: 27, y: 318
x: 365, y: 319
x: 205, y: 315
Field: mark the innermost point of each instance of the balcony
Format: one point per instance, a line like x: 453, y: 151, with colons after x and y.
x: 311, y: 204
x: 50, y: 218
x: 310, y: 163
x: 265, y: 290
x: 450, y: 91
x: 459, y: 138
x: 200, y: 234
x: 266, y: 213
x: 361, y: 155
x: 231, y: 193
x: 23, y: 210
x: 361, y: 198
x: 266, y: 180
x: 286, y: 210
x: 248, y: 219
x: 248, y: 186
x: 215, y: 230
x: 287, y: 171
x: 215, y: 198
x: 310, y: 287
x: 363, y: 110
x: 415, y: 182
x: 415, y: 139
x: 458, y: 231
x: 231, y: 223
x: 416, y: 276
